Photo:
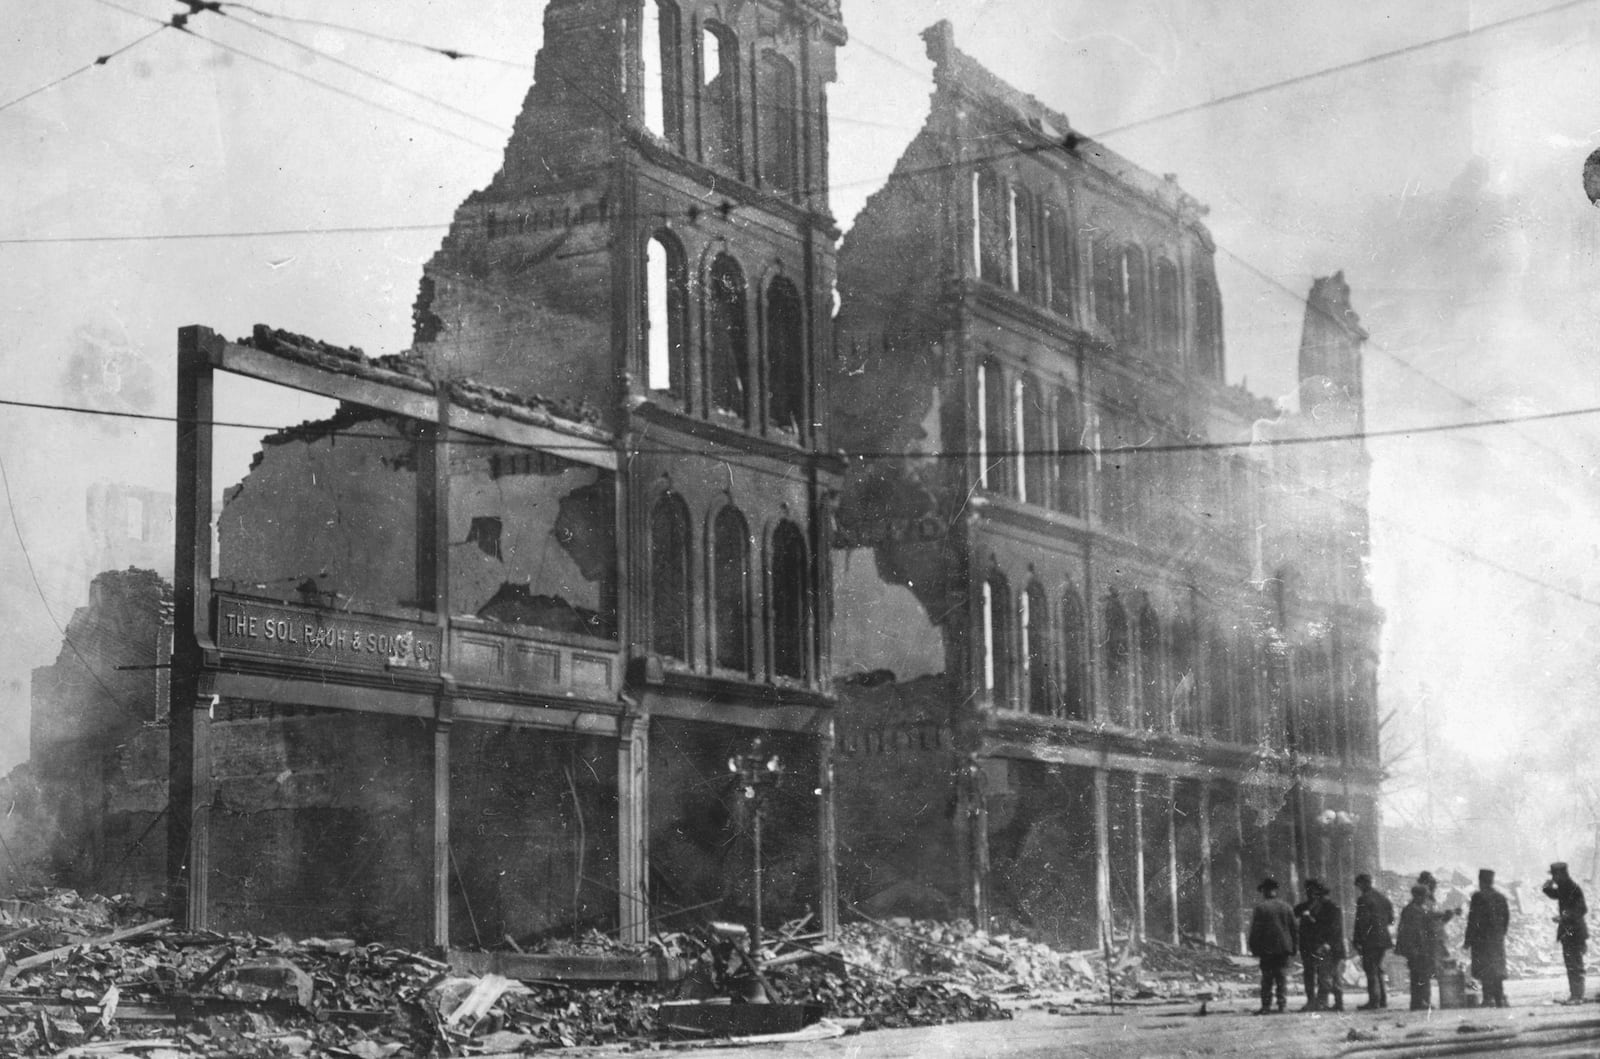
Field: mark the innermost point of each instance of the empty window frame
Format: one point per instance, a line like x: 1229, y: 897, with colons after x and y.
x: 1185, y: 683
x: 1135, y: 297
x: 1169, y: 309
x: 1221, y: 717
x: 728, y: 337
x: 1208, y: 324
x: 996, y: 639
x: 992, y: 443
x: 791, y: 603
x: 1071, y: 464
x: 1072, y: 682
x: 1118, y: 664
x: 719, y: 97
x: 1106, y: 262
x: 1033, y: 442
x: 666, y: 315
x: 786, y: 360
x: 1152, y: 682
x: 1034, y: 621
x: 1025, y: 262
x: 778, y: 117
x: 661, y: 70
x: 730, y: 589
x: 670, y: 604
x: 1058, y: 246
x: 992, y: 245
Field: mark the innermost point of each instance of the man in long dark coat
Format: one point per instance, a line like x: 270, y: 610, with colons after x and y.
x: 1308, y: 960
x: 1272, y: 941
x: 1488, y: 917
x: 1322, y: 946
x: 1370, y: 938
x: 1417, y: 941
x: 1572, y: 931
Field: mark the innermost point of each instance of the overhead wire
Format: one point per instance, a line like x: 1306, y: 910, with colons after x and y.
x: 100, y: 60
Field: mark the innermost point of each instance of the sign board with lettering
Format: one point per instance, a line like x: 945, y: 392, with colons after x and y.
x: 323, y: 638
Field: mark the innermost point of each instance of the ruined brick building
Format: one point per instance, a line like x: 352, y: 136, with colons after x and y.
x: 480, y: 647
x: 1106, y: 648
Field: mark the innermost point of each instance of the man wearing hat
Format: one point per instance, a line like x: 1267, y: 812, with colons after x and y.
x: 1488, y: 917
x: 1370, y: 938
x: 1272, y: 941
x: 1322, y: 948
x: 1571, y: 929
x: 1417, y: 940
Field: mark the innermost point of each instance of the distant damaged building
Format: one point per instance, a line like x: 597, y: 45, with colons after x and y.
x: 485, y: 652
x: 1105, y: 645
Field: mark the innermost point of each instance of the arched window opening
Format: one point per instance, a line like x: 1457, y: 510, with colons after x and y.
x: 1151, y: 676
x: 1116, y: 482
x: 727, y: 337
x: 1033, y: 444
x: 791, y: 602
x: 669, y: 578
x: 1221, y: 719
x: 1169, y: 309
x: 991, y: 228
x: 1248, y: 721
x: 1135, y: 301
x: 991, y: 427
x: 1071, y: 683
x: 666, y: 315
x: 660, y: 69
x: 1035, y: 625
x: 1185, y: 683
x: 719, y: 96
x: 786, y: 367
x: 1071, y: 465
x: 1108, y: 286
x: 730, y: 567
x: 1119, y: 664
x: 1058, y: 235
x: 997, y: 640
x: 778, y: 114
x: 1025, y: 246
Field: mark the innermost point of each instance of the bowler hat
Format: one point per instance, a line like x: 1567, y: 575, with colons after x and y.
x: 1269, y: 883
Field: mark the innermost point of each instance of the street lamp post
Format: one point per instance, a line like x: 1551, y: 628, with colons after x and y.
x: 759, y: 771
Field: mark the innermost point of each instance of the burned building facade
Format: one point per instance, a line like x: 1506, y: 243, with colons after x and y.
x: 1105, y: 640
x: 481, y: 647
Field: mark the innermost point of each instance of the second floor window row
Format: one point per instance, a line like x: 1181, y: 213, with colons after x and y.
x: 1030, y: 440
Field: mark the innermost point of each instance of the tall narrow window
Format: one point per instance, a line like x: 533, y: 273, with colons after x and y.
x: 669, y: 578
x: 1033, y: 441
x: 730, y: 565
x: 1119, y: 664
x: 727, y: 337
x: 1025, y: 247
x: 1071, y: 463
x: 719, y: 96
x: 1058, y: 238
x: 1071, y: 683
x: 997, y: 640
x: 1036, y: 650
x: 652, y: 83
x: 1208, y: 323
x: 1185, y: 683
x: 1134, y: 299
x: 786, y: 361
x: 665, y: 314
x: 1109, y: 305
x: 992, y: 242
x: 1151, y: 675
x: 1220, y: 716
x: 1169, y: 309
x: 991, y: 427
x: 775, y: 107
x: 791, y: 602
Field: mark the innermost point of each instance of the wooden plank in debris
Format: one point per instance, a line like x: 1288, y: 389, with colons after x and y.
x: 578, y: 967
x: 45, y: 958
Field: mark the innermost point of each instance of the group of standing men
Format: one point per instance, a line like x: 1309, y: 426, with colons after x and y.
x: 1314, y: 929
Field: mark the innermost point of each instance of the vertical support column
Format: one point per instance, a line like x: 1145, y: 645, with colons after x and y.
x: 1102, y: 854
x: 1244, y: 885
x: 189, y: 792
x: 1207, y: 898
x: 1176, y: 931
x: 828, y: 832
x: 444, y: 711
x: 633, y: 830
x: 1138, y: 855
x: 433, y: 590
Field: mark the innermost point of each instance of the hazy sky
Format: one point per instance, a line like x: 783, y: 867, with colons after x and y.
x: 1477, y: 281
